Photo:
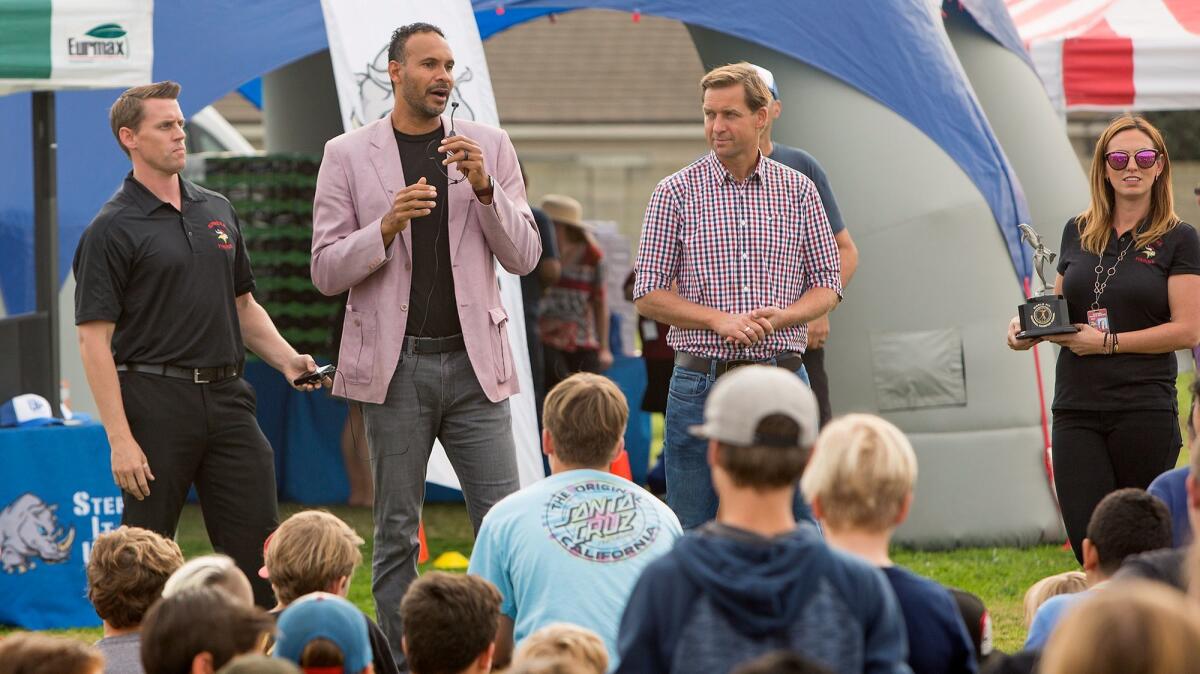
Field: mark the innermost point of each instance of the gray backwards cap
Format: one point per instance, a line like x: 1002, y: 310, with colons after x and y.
x: 743, y: 398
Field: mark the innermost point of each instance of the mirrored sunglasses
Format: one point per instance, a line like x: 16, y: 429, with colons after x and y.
x: 1120, y: 159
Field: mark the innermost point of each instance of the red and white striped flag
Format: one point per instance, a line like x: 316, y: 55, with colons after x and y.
x: 1114, y: 54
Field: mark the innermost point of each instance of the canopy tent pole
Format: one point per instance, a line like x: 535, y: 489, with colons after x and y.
x: 45, y: 218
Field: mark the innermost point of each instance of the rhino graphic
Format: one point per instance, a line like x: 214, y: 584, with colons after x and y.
x: 29, y: 530
x: 375, y: 91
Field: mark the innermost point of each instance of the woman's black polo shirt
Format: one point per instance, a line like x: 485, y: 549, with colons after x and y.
x: 1136, y: 299
x: 167, y: 279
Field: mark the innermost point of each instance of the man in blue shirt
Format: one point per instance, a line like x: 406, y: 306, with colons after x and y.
x: 754, y: 580
x: 795, y: 158
x: 569, y: 548
x: 1127, y: 522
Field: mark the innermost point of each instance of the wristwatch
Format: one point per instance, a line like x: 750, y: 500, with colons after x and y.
x: 487, y: 191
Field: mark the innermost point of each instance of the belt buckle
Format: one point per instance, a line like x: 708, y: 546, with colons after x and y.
x: 196, y: 377
x: 731, y: 365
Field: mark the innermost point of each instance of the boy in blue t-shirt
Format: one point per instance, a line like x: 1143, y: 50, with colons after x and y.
x: 570, y: 547
x: 860, y: 484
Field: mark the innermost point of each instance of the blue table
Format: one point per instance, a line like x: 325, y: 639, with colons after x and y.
x: 56, y: 497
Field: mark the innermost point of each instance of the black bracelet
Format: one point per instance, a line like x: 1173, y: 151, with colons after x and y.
x: 1104, y: 345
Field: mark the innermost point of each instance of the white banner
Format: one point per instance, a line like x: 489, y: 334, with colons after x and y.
x: 359, y: 34
x: 79, y: 44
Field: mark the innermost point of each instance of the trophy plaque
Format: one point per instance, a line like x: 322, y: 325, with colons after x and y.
x: 1045, y: 313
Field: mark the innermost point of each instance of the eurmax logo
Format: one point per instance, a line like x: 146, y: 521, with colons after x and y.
x: 106, y: 41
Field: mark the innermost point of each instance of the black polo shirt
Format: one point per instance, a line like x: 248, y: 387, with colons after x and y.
x: 432, y: 307
x: 1136, y: 299
x: 167, y: 279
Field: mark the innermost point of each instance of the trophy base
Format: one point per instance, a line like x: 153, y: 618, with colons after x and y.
x: 1044, y: 315
x: 1042, y: 332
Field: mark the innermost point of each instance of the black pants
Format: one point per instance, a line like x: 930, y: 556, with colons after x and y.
x: 814, y: 364
x: 1096, y: 453
x: 207, y: 435
x: 563, y: 364
x: 537, y: 365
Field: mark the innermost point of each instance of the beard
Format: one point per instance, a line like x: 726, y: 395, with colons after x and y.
x: 416, y: 100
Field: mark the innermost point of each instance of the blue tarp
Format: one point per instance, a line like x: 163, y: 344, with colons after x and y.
x: 892, y: 51
x: 993, y: 18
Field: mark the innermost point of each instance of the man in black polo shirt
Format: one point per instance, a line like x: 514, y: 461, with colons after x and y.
x: 163, y: 304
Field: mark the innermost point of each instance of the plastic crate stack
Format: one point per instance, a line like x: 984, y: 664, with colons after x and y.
x: 273, y: 195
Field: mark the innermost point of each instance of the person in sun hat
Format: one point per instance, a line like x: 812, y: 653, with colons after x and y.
x: 573, y: 321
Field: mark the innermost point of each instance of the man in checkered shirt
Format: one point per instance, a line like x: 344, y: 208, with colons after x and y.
x: 748, y: 243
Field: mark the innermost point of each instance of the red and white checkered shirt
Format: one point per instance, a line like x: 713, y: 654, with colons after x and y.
x: 737, y: 247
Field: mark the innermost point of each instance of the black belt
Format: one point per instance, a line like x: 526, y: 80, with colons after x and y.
x: 434, y: 344
x: 787, y: 360
x: 198, y: 375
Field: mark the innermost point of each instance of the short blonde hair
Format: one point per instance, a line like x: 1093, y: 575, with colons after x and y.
x: 743, y: 74
x: 1067, y: 582
x: 308, y: 552
x: 548, y: 665
x: 216, y: 571
x: 565, y: 640
x: 862, y: 470
x: 586, y: 415
x: 1135, y: 626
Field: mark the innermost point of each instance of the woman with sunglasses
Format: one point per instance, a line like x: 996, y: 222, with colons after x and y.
x: 1130, y: 271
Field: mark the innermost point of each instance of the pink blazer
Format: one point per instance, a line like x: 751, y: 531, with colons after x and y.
x: 359, y: 177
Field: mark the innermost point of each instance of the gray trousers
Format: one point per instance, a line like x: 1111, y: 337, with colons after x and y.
x: 430, y: 396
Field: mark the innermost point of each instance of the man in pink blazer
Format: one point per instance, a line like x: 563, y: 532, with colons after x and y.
x: 411, y: 213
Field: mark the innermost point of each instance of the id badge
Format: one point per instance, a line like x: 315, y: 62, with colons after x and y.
x: 1098, y: 318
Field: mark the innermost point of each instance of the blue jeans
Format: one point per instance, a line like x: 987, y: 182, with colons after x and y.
x: 689, y: 483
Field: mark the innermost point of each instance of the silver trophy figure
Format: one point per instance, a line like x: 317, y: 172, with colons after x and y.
x: 1045, y: 313
x: 1041, y: 254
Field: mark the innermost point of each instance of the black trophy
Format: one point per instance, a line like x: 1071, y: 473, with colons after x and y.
x: 1045, y: 313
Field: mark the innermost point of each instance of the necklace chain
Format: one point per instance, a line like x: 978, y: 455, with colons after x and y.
x: 1099, y: 287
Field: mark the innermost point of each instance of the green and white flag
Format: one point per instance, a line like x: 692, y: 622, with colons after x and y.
x: 75, y: 44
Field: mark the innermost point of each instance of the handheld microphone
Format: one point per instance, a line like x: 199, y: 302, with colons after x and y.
x: 453, y: 109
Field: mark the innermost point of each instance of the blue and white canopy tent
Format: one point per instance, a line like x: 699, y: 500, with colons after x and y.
x: 875, y: 90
